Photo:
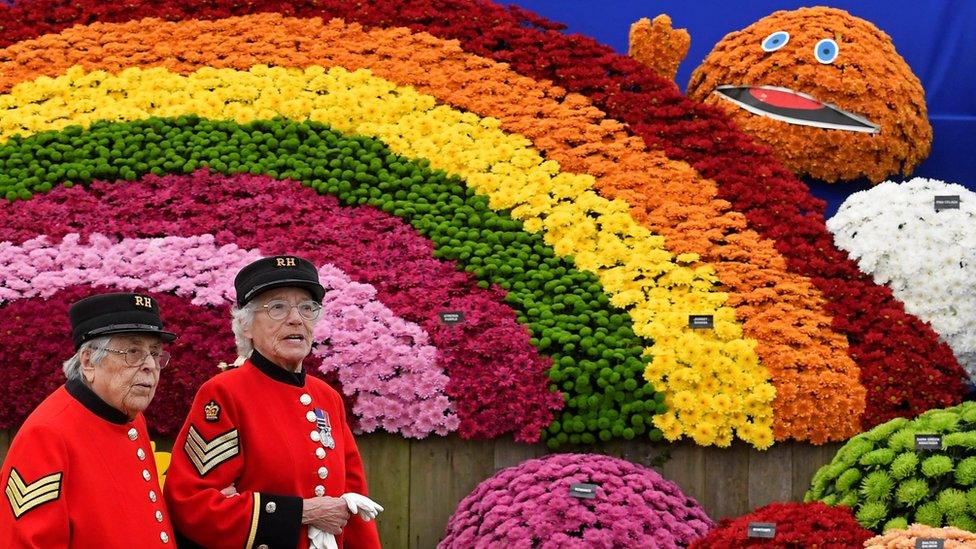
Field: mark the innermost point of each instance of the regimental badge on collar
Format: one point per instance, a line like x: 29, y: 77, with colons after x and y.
x: 325, y: 428
x: 211, y: 411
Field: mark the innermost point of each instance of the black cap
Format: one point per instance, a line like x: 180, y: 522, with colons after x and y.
x: 280, y: 271
x: 106, y: 314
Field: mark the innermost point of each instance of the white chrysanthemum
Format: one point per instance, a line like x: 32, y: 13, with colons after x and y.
x: 927, y: 258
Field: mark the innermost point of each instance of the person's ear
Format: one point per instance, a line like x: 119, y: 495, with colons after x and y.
x: 87, y: 366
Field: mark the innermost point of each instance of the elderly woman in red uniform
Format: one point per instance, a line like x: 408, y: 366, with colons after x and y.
x: 80, y: 472
x: 265, y: 458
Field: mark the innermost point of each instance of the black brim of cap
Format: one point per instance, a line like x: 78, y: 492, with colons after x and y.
x: 317, y: 291
x: 165, y: 336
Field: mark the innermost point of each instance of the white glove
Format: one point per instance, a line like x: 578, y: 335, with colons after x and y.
x: 321, y: 540
x: 366, y: 508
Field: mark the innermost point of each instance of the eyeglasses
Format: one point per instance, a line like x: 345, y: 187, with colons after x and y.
x: 278, y: 309
x: 135, y: 357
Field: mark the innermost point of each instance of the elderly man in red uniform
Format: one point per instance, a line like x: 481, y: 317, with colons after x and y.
x: 80, y: 472
x: 266, y: 458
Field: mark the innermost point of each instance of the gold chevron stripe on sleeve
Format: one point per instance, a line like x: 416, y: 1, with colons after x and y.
x: 23, y: 497
x: 207, y: 454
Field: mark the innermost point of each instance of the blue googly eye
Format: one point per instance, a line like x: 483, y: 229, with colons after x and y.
x: 825, y: 51
x: 775, y: 41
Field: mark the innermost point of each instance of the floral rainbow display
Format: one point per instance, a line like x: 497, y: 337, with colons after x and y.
x: 575, y: 208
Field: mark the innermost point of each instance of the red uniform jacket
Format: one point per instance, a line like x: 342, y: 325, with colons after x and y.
x: 80, y: 474
x: 259, y: 428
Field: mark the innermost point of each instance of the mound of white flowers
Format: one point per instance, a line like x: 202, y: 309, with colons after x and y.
x: 926, y: 257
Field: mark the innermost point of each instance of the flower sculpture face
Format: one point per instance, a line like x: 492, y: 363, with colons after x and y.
x: 615, y: 503
x: 824, y: 89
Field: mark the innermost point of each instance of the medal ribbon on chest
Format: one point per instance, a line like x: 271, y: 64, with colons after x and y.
x: 325, y: 428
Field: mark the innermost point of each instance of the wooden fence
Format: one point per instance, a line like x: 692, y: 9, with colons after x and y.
x: 421, y: 482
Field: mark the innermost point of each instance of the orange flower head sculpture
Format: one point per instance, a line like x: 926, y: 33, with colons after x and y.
x: 824, y: 89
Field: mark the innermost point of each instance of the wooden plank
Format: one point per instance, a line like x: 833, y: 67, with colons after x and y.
x: 770, y: 476
x: 641, y: 452
x: 686, y: 468
x: 442, y: 472
x: 509, y: 453
x: 164, y: 444
x: 386, y: 459
x: 6, y: 435
x: 807, y: 459
x: 727, y: 481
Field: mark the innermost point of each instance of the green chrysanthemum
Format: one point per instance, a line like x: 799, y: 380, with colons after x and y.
x: 911, y: 492
x: 941, y: 421
x: 880, y: 457
x: 849, y: 500
x: 964, y: 522
x: 952, y: 502
x: 936, y: 466
x: 885, y: 430
x: 871, y: 514
x: 929, y: 513
x: 904, y: 465
x: 971, y: 501
x: 902, y: 440
x: 968, y: 414
x: 853, y: 450
x: 848, y: 479
x: 834, y: 470
x: 897, y: 523
x: 960, y: 440
x: 877, y: 486
x: 966, y: 472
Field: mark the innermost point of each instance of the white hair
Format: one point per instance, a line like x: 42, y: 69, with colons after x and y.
x: 241, y: 320
x: 72, y: 366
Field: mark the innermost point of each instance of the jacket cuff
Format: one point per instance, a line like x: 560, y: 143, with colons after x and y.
x: 276, y: 521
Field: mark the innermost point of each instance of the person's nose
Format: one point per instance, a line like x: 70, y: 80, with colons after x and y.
x: 148, y: 368
x: 150, y: 364
x: 293, y: 316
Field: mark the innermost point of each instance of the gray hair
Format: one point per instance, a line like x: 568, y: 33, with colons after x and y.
x: 241, y: 320
x: 72, y: 366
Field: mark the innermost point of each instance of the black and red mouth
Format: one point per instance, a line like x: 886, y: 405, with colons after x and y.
x: 792, y: 107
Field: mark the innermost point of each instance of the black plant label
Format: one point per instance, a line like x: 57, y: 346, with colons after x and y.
x: 452, y: 317
x: 948, y: 202
x: 583, y: 490
x: 701, y: 322
x: 928, y: 442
